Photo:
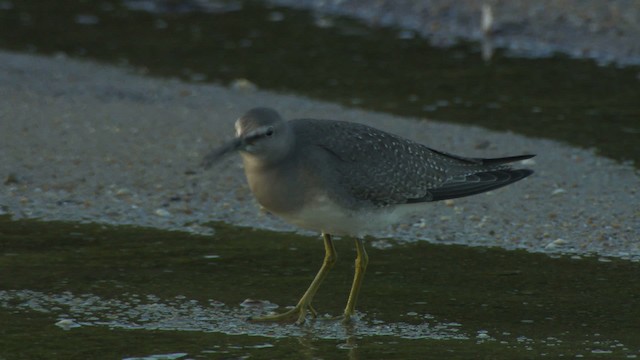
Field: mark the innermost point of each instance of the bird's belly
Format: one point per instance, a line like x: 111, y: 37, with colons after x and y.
x: 325, y: 215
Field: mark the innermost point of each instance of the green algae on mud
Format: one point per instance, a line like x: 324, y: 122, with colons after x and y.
x: 176, y: 293
x: 576, y: 101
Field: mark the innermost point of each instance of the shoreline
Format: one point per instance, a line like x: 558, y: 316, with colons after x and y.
x: 87, y: 142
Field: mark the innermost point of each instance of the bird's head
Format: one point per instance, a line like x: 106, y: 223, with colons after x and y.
x: 261, y: 135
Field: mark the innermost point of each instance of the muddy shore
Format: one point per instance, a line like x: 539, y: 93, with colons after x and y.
x: 92, y: 143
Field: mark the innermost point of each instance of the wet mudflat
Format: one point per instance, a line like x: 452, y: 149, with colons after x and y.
x: 78, y: 291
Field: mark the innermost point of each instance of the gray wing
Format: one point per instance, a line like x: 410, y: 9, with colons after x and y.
x: 384, y: 169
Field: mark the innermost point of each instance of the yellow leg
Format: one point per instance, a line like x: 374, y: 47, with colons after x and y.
x: 299, y: 312
x: 362, y: 260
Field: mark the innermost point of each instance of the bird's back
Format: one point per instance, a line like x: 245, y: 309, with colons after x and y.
x: 382, y: 169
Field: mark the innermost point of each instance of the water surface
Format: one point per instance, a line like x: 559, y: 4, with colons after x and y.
x: 78, y: 291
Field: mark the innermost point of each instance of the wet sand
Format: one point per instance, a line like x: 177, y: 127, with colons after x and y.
x: 85, y: 142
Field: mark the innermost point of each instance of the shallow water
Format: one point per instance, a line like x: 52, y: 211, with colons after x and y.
x: 79, y: 291
x: 340, y: 60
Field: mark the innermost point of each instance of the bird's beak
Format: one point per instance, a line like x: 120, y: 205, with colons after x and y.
x: 217, y: 154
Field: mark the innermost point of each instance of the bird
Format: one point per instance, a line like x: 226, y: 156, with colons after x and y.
x: 343, y: 178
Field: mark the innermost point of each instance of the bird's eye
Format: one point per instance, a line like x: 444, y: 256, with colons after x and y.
x: 269, y: 131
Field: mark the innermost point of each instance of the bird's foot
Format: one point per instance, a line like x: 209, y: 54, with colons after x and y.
x: 344, y: 318
x: 296, y: 315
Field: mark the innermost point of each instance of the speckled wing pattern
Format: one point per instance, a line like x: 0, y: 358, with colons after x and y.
x: 385, y: 169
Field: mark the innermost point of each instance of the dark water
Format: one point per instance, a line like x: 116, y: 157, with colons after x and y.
x: 125, y: 292
x: 341, y: 60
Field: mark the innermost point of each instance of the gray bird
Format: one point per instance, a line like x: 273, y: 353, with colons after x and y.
x: 343, y: 178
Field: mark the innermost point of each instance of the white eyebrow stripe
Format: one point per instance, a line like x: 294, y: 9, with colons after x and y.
x: 255, y: 133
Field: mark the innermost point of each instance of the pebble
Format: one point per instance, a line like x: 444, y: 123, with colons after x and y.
x: 555, y: 243
x: 163, y: 213
x: 122, y: 192
x: 243, y: 85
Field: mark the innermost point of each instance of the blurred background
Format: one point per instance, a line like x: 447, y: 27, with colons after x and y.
x: 565, y: 70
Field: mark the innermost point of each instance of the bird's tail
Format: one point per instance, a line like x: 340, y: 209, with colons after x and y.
x: 478, y: 183
x: 503, y: 160
x: 470, y: 176
x: 459, y: 165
